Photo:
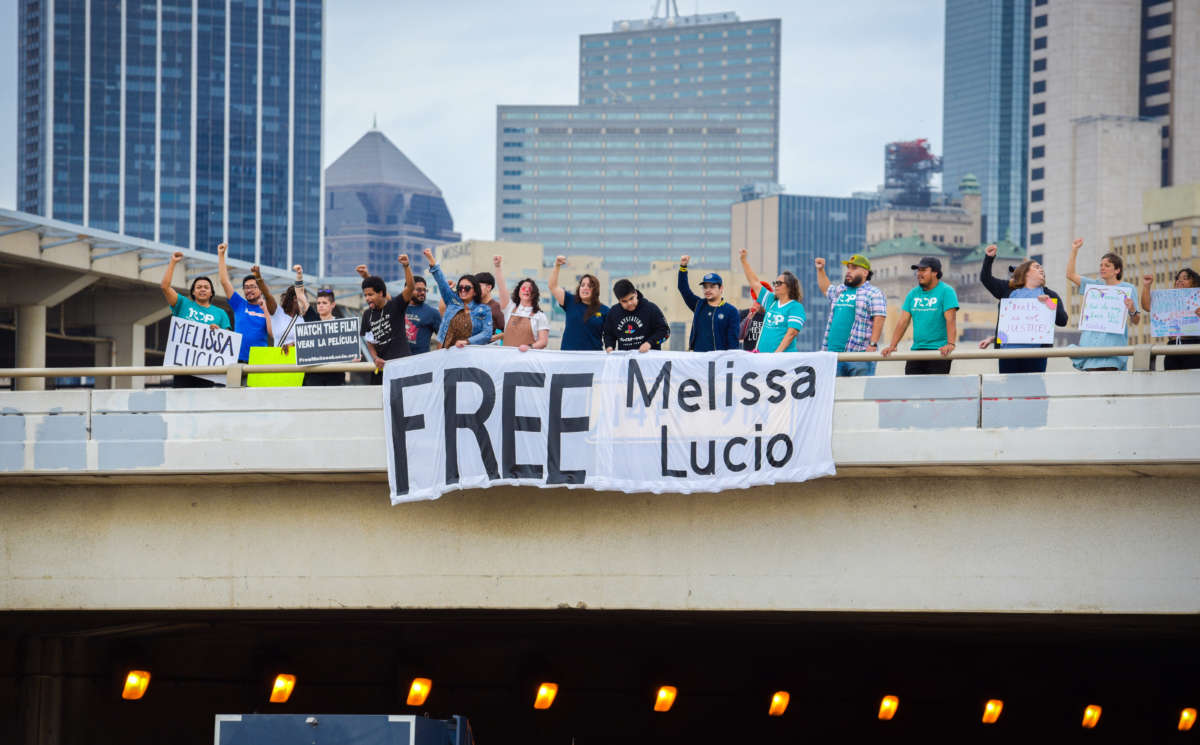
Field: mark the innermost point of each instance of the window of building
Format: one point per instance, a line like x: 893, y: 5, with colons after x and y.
x: 1037, y: 195
x: 1038, y: 3
x: 510, y: 230
x: 1039, y: 65
x: 1038, y: 174
x: 1039, y: 86
x: 1039, y: 43
x: 1039, y: 151
x: 1040, y: 21
x: 1039, y: 130
x: 1035, y: 217
x: 1039, y: 108
x: 1035, y: 239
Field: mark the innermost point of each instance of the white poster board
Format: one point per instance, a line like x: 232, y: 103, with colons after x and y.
x: 1173, y: 312
x: 192, y: 344
x: 1026, y: 321
x: 1104, y: 309
x: 655, y: 422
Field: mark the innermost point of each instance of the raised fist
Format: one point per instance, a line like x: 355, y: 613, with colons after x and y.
x: 819, y: 263
x: 991, y: 250
x: 361, y: 270
x: 428, y: 253
x: 742, y: 253
x: 1076, y: 244
x: 221, y: 249
x: 560, y: 260
x: 683, y: 260
x: 298, y: 269
x: 403, y: 259
x: 256, y: 271
x: 497, y: 260
x: 177, y: 256
x: 1147, y: 279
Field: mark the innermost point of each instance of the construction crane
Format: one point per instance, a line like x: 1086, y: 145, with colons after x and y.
x: 908, y: 167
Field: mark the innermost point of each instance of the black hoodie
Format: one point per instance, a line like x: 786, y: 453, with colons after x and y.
x: 629, y: 329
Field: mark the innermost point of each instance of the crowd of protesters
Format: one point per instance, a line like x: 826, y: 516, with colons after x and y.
x: 481, y: 309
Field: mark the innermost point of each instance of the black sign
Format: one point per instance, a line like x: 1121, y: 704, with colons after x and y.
x: 327, y: 341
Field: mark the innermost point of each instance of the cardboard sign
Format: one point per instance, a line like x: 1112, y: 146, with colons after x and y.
x: 192, y: 344
x: 1026, y: 321
x: 1104, y: 309
x: 318, y: 342
x: 273, y: 356
x: 1173, y: 312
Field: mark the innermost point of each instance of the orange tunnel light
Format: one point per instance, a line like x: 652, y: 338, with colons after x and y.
x: 888, y: 706
x: 991, y: 710
x: 1187, y: 718
x: 281, y: 691
x: 136, y: 683
x: 419, y: 691
x: 545, y: 695
x: 665, y: 698
x: 1091, y: 716
x: 779, y: 703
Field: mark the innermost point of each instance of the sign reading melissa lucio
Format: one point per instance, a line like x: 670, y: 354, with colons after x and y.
x: 318, y: 342
x: 656, y: 422
x: 192, y: 344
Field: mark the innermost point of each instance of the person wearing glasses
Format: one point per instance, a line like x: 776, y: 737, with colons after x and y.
x: 467, y: 320
x: 783, y: 314
x: 383, y: 323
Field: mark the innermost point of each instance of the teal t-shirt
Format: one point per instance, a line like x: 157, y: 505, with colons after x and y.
x: 928, y: 310
x: 844, y: 310
x: 777, y: 319
x: 190, y: 310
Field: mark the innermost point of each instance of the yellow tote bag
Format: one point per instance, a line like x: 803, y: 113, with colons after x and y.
x: 274, y: 356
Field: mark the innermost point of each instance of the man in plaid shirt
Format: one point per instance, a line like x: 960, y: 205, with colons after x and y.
x: 856, y: 314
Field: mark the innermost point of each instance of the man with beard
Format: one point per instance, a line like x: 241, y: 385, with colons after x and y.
x: 857, y: 310
x: 932, y: 307
x: 422, y: 320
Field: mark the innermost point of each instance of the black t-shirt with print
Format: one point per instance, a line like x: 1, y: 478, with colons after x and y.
x: 388, y: 328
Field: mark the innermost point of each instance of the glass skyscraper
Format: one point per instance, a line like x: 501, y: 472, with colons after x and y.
x: 985, y: 112
x: 148, y: 118
x: 675, y: 115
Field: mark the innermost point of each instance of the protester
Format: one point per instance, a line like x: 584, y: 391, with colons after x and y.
x: 1111, y: 269
x: 290, y: 309
x: 421, y: 320
x: 584, y: 327
x: 1185, y: 278
x: 783, y: 314
x: 487, y: 283
x: 1028, y: 280
x: 525, y: 325
x: 383, y: 322
x: 198, y: 307
x: 323, y: 310
x: 250, y: 317
x: 634, y: 322
x: 932, y: 306
x: 714, y: 321
x: 467, y: 320
x: 857, y: 310
x: 750, y: 326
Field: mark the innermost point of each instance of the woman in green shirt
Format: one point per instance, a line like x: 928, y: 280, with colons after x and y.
x: 196, y: 307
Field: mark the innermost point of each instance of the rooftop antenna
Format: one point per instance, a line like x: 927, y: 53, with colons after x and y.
x: 375, y: 122
x: 668, y: 7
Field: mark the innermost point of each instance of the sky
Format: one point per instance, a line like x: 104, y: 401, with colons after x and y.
x: 855, y: 75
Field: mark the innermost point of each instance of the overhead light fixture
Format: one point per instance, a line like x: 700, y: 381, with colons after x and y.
x: 779, y: 703
x: 545, y: 695
x: 136, y: 683
x: 1187, y: 718
x: 888, y: 706
x: 665, y: 698
x: 991, y: 710
x: 281, y: 691
x: 1091, y: 716
x: 419, y: 691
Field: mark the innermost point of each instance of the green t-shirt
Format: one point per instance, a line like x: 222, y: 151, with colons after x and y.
x: 928, y: 310
x: 777, y: 319
x: 190, y: 310
x: 844, y: 310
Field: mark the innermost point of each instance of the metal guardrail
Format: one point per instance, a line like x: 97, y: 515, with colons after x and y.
x: 1143, y: 360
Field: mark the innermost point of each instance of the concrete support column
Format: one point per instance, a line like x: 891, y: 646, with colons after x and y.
x: 31, y: 344
x: 123, y: 317
x: 42, y: 691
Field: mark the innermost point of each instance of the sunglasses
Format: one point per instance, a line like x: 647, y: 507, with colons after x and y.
x: 465, y: 288
x: 778, y: 283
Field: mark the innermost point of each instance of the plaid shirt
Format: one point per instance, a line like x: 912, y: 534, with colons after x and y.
x: 868, y: 303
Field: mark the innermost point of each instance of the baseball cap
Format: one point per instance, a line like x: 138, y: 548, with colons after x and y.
x: 929, y: 261
x: 858, y: 260
x: 712, y: 278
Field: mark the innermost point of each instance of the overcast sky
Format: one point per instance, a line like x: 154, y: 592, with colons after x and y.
x: 856, y: 74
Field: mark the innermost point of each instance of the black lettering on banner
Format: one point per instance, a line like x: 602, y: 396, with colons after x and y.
x: 749, y: 388
x: 779, y: 462
x: 712, y: 386
x: 688, y: 389
x: 663, y: 379
x: 668, y: 471
x: 474, y: 422
x: 711, y: 468
x: 729, y: 384
x: 780, y: 392
x: 511, y: 424
x: 807, y: 377
x: 560, y: 425
x: 729, y: 464
x: 403, y: 424
x: 758, y: 448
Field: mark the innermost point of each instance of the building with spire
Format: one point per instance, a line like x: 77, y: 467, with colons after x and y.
x: 377, y: 204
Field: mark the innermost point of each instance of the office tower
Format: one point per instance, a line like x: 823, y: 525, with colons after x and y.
x: 676, y: 114
x: 379, y: 204
x: 148, y: 119
x: 1114, y: 86
x: 985, y: 111
x: 786, y: 232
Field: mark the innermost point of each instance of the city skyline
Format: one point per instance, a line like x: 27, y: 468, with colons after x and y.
x: 856, y: 76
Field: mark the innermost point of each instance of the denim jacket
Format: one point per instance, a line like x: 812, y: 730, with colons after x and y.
x: 481, y: 315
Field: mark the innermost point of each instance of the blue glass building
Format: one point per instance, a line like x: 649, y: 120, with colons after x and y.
x: 985, y: 111
x: 149, y: 119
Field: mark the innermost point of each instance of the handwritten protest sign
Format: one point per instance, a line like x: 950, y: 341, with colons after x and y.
x: 1104, y: 310
x: 192, y: 344
x: 1026, y: 321
x: 1173, y: 312
x: 327, y: 341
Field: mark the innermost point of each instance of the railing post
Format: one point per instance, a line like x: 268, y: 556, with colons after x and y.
x: 1142, y: 359
x: 233, y: 376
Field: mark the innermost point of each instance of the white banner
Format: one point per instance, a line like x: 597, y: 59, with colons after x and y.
x: 192, y: 344
x: 1025, y: 321
x: 654, y: 422
x: 1104, y: 309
